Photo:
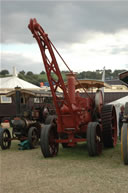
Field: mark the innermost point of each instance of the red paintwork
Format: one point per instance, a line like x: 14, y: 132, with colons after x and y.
x: 73, y: 111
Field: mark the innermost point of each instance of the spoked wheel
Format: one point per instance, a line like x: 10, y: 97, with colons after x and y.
x: 109, y: 126
x: 124, y: 143
x: 49, y: 147
x: 94, y: 139
x: 33, y: 137
x: 5, y: 139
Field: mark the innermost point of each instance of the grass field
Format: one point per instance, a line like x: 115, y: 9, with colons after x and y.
x: 72, y: 171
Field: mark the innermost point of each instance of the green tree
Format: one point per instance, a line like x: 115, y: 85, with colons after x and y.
x: 22, y: 72
x: 4, y: 72
x: 29, y: 73
x: 43, y: 72
x: 116, y: 73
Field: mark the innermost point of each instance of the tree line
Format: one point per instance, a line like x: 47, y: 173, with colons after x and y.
x: 42, y: 77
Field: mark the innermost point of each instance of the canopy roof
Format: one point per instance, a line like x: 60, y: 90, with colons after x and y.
x: 88, y: 83
x: 31, y: 92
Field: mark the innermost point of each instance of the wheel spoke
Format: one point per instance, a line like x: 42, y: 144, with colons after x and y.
x: 33, y: 136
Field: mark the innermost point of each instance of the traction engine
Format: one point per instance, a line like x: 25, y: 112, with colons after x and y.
x: 78, y: 119
x: 124, y: 131
x: 27, y: 123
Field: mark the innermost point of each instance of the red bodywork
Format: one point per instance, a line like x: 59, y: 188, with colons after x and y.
x: 73, y: 112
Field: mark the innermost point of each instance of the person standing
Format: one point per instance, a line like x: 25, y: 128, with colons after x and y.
x: 121, y: 114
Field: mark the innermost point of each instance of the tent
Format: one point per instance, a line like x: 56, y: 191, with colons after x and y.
x: 14, y: 81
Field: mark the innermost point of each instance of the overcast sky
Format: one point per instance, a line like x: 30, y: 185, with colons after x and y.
x: 88, y: 34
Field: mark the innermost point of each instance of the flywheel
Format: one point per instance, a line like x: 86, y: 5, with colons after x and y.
x: 98, y: 102
x: 109, y: 125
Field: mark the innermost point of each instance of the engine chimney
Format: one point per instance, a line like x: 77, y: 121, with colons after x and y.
x: 71, y: 87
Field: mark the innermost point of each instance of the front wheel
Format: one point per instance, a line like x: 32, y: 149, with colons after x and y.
x: 48, y: 145
x: 94, y: 139
x: 33, y: 137
x: 5, y: 139
x: 124, y: 143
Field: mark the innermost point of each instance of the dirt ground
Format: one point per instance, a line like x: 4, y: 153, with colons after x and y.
x: 72, y: 171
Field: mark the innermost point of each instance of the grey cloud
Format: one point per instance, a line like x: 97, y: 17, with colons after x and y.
x: 122, y: 51
x: 21, y: 63
x: 65, y: 22
x: 126, y: 66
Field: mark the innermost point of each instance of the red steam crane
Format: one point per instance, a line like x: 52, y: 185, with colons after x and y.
x: 78, y: 119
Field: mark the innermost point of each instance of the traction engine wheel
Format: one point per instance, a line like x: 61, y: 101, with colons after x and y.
x: 48, y: 145
x: 94, y: 139
x: 5, y: 139
x: 126, y: 110
x: 109, y: 125
x: 124, y: 143
x: 33, y: 137
x: 124, y: 136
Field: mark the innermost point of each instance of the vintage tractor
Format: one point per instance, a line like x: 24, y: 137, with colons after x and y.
x: 29, y: 118
x: 78, y: 119
x: 124, y: 132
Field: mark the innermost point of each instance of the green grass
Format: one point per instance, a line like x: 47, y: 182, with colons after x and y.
x: 72, y: 171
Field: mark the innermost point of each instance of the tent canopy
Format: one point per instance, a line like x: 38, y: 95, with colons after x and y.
x: 14, y: 81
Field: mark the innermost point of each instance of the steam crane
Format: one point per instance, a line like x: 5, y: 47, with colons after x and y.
x: 78, y: 119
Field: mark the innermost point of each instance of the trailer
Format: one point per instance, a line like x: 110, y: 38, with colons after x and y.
x: 78, y: 119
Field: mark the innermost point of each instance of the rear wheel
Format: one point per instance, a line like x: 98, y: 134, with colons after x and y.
x: 48, y: 145
x: 33, y: 137
x: 94, y: 139
x: 5, y: 139
x: 126, y: 109
x: 124, y: 143
x: 109, y: 126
